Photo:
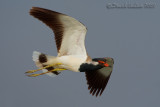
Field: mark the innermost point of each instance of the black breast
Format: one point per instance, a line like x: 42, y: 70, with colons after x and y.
x: 89, y: 67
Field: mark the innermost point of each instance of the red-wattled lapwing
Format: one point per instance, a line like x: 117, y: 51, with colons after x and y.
x: 72, y: 55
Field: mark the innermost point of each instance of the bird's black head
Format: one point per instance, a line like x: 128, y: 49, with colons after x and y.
x: 97, y: 63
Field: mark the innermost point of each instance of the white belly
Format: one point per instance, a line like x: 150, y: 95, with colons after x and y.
x: 71, y: 62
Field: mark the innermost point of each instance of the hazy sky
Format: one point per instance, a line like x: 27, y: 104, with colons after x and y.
x: 130, y: 35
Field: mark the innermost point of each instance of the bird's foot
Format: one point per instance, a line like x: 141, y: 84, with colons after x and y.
x: 34, y: 75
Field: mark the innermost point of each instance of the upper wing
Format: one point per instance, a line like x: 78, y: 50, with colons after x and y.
x: 69, y: 33
x: 97, y: 80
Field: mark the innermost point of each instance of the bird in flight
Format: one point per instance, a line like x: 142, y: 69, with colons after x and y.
x: 70, y: 41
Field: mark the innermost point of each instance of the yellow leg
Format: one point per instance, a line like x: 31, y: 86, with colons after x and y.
x: 32, y: 71
x: 34, y: 75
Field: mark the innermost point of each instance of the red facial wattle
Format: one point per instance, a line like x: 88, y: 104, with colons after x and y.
x: 104, y: 63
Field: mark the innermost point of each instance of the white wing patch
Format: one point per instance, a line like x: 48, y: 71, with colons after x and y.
x: 69, y: 32
x: 73, y: 37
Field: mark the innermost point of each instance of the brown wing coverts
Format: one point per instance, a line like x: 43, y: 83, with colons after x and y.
x: 50, y: 18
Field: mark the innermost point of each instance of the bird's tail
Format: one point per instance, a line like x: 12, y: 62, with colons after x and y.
x: 41, y: 60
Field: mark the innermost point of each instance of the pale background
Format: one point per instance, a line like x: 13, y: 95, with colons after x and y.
x: 130, y: 36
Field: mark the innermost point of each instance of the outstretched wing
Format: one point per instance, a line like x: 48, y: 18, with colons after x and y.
x: 97, y: 80
x: 69, y: 33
